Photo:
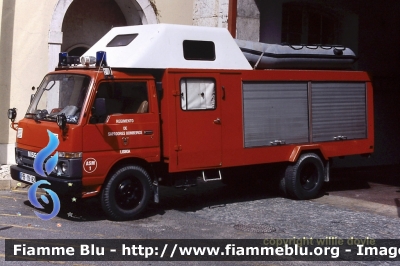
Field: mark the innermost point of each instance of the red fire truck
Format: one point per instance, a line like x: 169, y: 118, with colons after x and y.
x: 165, y: 104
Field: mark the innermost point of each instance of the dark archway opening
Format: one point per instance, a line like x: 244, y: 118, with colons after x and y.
x: 86, y: 21
x: 77, y: 51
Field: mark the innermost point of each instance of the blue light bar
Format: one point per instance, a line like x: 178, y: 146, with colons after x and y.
x: 62, y: 59
x: 101, y: 58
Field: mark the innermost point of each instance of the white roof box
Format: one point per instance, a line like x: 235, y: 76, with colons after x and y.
x: 160, y: 46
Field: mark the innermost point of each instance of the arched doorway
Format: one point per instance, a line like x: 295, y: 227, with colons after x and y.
x: 77, y: 50
x: 85, y: 21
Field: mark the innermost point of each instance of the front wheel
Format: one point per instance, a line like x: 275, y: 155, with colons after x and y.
x: 304, y: 179
x: 127, y: 193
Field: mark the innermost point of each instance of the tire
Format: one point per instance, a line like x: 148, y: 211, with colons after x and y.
x: 127, y: 193
x: 304, y: 179
x: 278, y: 179
x: 282, y: 187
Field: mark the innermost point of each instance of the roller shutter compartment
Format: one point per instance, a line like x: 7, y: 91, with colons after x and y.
x: 275, y: 113
x: 338, y: 111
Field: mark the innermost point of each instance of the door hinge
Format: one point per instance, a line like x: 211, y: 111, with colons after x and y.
x: 177, y: 147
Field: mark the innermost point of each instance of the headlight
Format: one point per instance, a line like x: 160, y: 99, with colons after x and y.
x: 69, y: 164
x: 61, y: 168
x: 64, y: 167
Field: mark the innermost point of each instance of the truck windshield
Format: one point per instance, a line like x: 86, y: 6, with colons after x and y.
x: 59, y: 93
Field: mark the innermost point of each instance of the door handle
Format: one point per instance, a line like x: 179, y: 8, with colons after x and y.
x: 217, y: 121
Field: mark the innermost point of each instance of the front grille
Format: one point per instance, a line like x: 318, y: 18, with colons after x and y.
x: 26, y: 161
x: 74, y: 165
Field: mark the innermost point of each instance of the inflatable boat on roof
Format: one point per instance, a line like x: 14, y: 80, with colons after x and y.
x: 279, y: 56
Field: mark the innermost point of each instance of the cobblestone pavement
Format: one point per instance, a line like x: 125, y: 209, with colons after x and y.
x: 210, y: 210
x: 304, y: 219
x: 289, y: 218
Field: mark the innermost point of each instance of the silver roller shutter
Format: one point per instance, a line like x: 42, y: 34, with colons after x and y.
x: 338, y: 111
x: 274, y: 112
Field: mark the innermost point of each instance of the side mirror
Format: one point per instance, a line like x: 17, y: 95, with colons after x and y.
x: 100, y: 107
x: 12, y: 114
x: 61, y: 121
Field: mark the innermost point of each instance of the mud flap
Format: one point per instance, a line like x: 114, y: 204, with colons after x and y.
x: 327, y: 171
x: 155, y: 191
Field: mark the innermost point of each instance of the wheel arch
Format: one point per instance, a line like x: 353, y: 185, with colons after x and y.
x: 129, y: 161
x: 316, y: 149
x: 127, y: 191
x: 299, y: 150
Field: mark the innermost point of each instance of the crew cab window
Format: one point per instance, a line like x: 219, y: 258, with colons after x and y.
x: 122, y: 40
x: 197, y: 94
x: 199, y: 50
x: 123, y: 98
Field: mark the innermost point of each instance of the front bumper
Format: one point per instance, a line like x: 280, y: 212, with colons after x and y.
x: 62, y: 186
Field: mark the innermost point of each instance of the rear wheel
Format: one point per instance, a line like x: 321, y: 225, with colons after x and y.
x: 304, y: 179
x: 282, y: 186
x: 127, y: 193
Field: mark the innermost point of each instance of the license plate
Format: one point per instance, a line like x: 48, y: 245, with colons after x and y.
x: 27, y: 177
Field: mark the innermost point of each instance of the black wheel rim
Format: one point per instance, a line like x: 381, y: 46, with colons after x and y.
x: 129, y: 193
x: 308, y: 176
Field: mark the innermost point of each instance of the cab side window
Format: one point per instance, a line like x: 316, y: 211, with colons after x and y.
x: 123, y: 98
x: 134, y: 97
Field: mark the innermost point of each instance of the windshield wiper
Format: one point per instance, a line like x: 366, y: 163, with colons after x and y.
x: 50, y: 117
x: 30, y: 114
x: 35, y: 116
x: 41, y: 115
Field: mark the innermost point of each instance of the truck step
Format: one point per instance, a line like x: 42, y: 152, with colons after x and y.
x: 212, y: 175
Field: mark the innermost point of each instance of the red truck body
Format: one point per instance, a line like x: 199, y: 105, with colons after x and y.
x: 192, y: 123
